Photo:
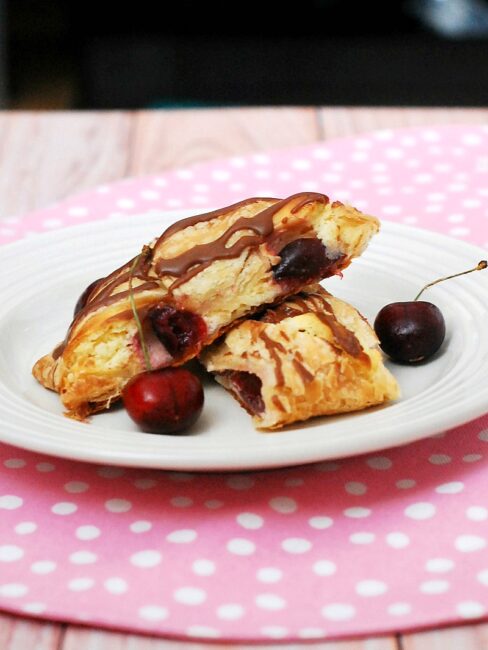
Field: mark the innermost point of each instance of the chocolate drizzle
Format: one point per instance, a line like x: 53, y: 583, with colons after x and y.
x: 273, y: 348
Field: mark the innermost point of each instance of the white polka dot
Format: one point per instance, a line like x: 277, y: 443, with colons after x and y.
x: 470, y: 609
x: 482, y: 577
x: 420, y: 511
x: 405, y: 484
x: 145, y: 559
x: 370, y: 588
x: 338, y: 612
x: 34, y: 608
x: 294, y: 482
x: 83, y: 557
x: 220, y: 175
x: 324, y: 568
x: 10, y: 553
x: 52, y: 223
x: 274, y: 631
x: 150, y: 195
x: 145, y: 483
x: 153, y: 613
x: 118, y: 505
x: 110, y: 472
x: 284, y: 505
x: 439, y: 565
x: 434, y: 586
x: 87, y: 532
x: 25, y: 528
x: 391, y: 209
x: 13, y: 590
x: 422, y: 178
x: 472, y: 458
x: 262, y: 173
x: 230, y: 612
x: 183, y: 536
x: 64, y: 508
x: 439, y: 459
x: 270, y: 601
x: 397, y: 540
x: 362, y: 538
x: 190, y: 596
x: 180, y: 477
x: 213, y: 504
x: 140, y: 526
x: 236, y: 187
x: 399, y: 609
x: 356, y: 488
x: 202, y: 631
x: 239, y: 546
x: 456, y: 187
x: 75, y: 487
x: 174, y: 203
x: 269, y: 574
x: 301, y: 164
x: 43, y: 567
x: 477, y: 513
x: 453, y: 487
x: 116, y: 585
x: 483, y: 435
x: 181, y: 502
x: 320, y: 522
x: 10, y: 502
x: 203, y: 567
x: 471, y: 139
x: 459, y: 232
x: 296, y: 545
x: 469, y: 543
x: 240, y: 482
x: 125, y: 204
x: 379, y: 462
x: 357, y: 513
x: 311, y: 633
x: 78, y: 210
x: 14, y: 463
x: 321, y: 153
x: 250, y: 520
x: 359, y: 156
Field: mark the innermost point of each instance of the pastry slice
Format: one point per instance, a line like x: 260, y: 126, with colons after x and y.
x: 189, y: 285
x: 311, y: 355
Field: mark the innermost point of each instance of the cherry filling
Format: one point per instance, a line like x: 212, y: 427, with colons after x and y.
x: 248, y: 388
x: 304, y: 260
x: 180, y: 331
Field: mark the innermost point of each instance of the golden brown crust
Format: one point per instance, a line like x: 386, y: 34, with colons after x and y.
x: 102, y: 349
x: 314, y: 355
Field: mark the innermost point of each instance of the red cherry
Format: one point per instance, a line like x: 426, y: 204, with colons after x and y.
x: 305, y: 260
x: 179, y: 330
x: 410, y: 331
x: 248, y: 387
x: 83, y: 299
x: 167, y: 401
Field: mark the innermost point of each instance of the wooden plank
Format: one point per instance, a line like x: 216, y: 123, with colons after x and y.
x: 25, y: 634
x: 78, y: 638
x: 168, y: 139
x: 339, y: 122
x: 45, y: 157
x: 468, y: 637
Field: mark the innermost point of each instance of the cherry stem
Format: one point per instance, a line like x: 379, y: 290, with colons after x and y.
x: 145, y: 352
x: 479, y: 267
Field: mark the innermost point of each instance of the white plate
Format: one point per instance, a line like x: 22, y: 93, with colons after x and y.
x: 42, y: 278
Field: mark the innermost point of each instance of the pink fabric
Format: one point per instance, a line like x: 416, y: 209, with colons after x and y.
x: 365, y: 545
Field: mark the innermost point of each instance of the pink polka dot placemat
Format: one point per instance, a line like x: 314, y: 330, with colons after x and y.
x: 374, y: 544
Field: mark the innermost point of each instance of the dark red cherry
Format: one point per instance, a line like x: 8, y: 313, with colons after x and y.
x: 164, y: 401
x: 414, y: 331
x: 410, y: 331
x: 178, y: 330
x: 304, y: 259
x: 83, y: 299
x: 248, y: 386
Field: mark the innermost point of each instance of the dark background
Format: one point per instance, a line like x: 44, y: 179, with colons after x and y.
x: 107, y: 55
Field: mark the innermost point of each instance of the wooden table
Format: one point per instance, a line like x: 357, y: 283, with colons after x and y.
x: 45, y: 157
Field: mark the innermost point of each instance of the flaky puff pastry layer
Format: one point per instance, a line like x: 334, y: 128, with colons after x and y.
x: 219, y: 266
x: 313, y: 355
